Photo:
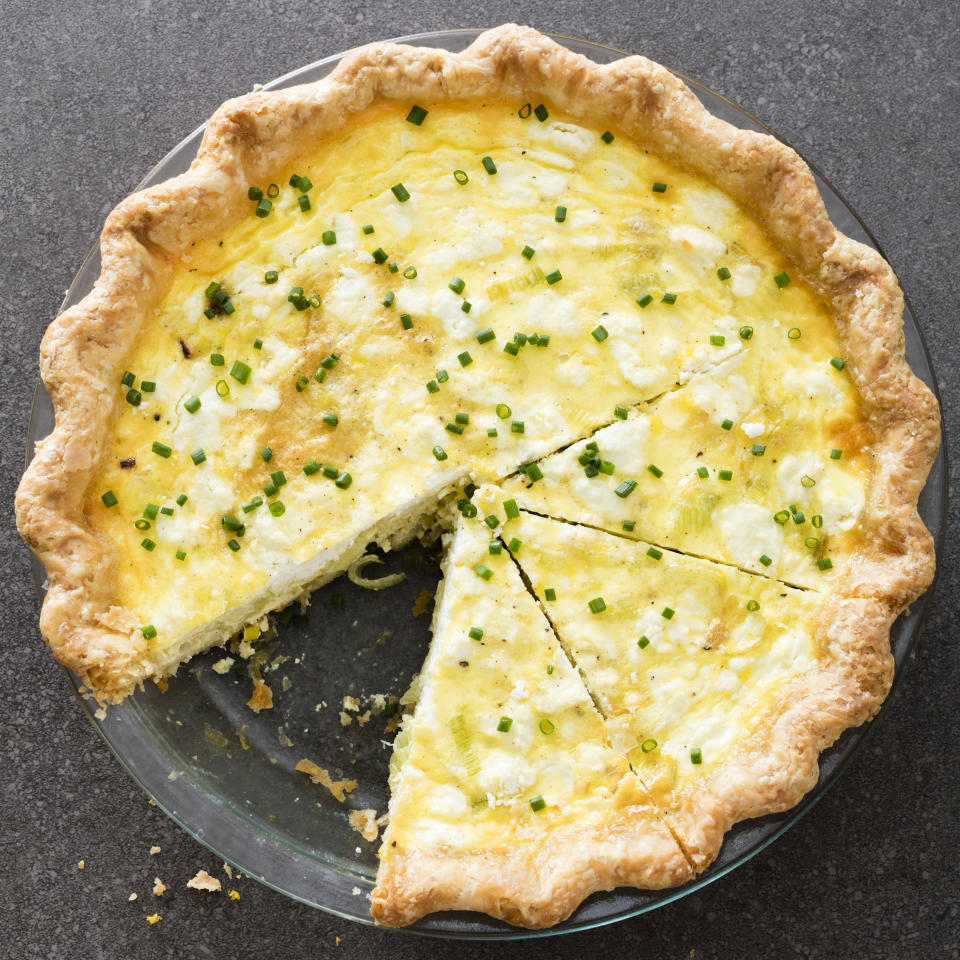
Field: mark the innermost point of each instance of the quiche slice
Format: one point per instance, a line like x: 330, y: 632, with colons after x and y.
x: 732, y: 467
x: 506, y: 795
x: 724, y: 685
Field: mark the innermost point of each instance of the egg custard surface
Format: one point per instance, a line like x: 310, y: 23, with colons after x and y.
x: 432, y: 271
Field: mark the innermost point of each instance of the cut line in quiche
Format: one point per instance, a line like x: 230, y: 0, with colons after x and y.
x: 723, y: 686
x: 506, y: 795
x: 429, y: 269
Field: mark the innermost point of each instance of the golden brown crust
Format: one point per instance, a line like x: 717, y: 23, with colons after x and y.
x: 83, y: 349
x: 536, y: 885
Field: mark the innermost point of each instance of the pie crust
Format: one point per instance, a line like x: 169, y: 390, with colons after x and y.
x: 254, y: 135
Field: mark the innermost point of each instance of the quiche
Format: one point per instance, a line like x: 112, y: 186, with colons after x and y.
x: 429, y: 272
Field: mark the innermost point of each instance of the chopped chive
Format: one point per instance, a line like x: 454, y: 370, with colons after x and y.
x: 273, y: 190
x: 161, y: 449
x: 388, y: 299
x: 560, y: 214
x: 271, y: 489
x: 667, y: 613
x: 527, y: 252
x: 643, y: 643
x: 267, y: 454
x: 149, y: 631
x: 485, y: 335
x: 607, y: 468
x: 109, y: 499
x: 669, y: 298
x: 417, y: 115
x: 465, y: 358
x: 655, y: 470
x: 765, y: 560
x: 503, y: 411
x: 717, y: 340
x: 181, y: 554
x: 263, y: 208
x: 311, y: 468
x: 597, y: 605
x: 811, y: 543
x: 620, y: 413
x: 410, y: 273
x: 654, y: 553
x: 329, y: 361
x: 216, y: 360
x: 817, y: 520
x: 148, y: 544
x: 629, y: 525
x: 645, y: 300
x: 492, y: 432
x: 133, y: 397
x: 492, y: 521
x: 606, y: 136
x: 400, y: 192
x: 460, y: 176
x: 329, y: 238
x: 781, y: 517
x: 331, y: 472
x: 234, y: 545
x: 824, y: 563
x: 659, y: 187
x: 599, y: 333
x: 304, y: 203
x: 799, y: 518
x: 727, y: 425
x: 433, y: 386
x: 537, y: 804
x: 278, y: 477
x: 703, y: 473
x: 837, y: 363
x: 442, y: 376
x: 550, y: 594
x: 258, y: 344
x: 462, y: 418
x: 725, y: 475
x: 367, y: 229
x: 150, y: 511
x: 495, y: 548
x: 546, y: 726
x: 456, y: 428
x: 540, y: 112
x: 482, y: 571
x: 553, y: 277
x: 254, y: 193
x: 753, y: 606
x: 781, y: 279
x: 511, y: 509
x: 406, y: 321
x: 758, y: 449
x: 723, y: 273
x: 230, y: 523
x: 128, y: 379
x: 141, y: 524
x: 489, y: 165
x: 794, y: 333
x: 517, y: 426
x: 475, y: 633
x: 277, y: 509
x: 696, y: 755
x: 515, y: 544
x: 534, y: 473
x: 625, y: 489
x: 198, y: 456
x: 807, y: 481
x: 439, y: 453
x: 505, y: 724
x: 746, y: 333
x: 380, y: 255
x: 182, y: 499
x: 255, y: 502
x: 511, y: 347
x: 457, y: 285
x: 836, y: 454
x: 148, y: 386
x: 240, y: 371
x: 301, y: 383
x: 466, y: 306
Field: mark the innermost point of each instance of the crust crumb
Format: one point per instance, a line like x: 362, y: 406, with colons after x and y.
x: 154, y: 851
x: 154, y: 918
x: 223, y: 665
x: 345, y: 719
x: 364, y: 718
x: 131, y: 898
x: 352, y: 704
x: 420, y: 605
x: 339, y: 788
x: 158, y: 887
x: 262, y: 697
x: 161, y: 684
x: 227, y: 869
x: 245, y: 649
x: 81, y: 864
x: 203, y: 881
x: 365, y: 823
x: 234, y: 894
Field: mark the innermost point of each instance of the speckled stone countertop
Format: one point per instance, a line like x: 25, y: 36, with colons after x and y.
x: 96, y: 94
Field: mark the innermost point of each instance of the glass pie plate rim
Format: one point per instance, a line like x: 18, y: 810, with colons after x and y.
x: 188, y: 800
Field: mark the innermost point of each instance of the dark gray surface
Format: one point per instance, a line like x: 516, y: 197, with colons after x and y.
x: 94, y: 95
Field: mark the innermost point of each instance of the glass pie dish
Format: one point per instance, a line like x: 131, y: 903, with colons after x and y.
x: 228, y: 776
